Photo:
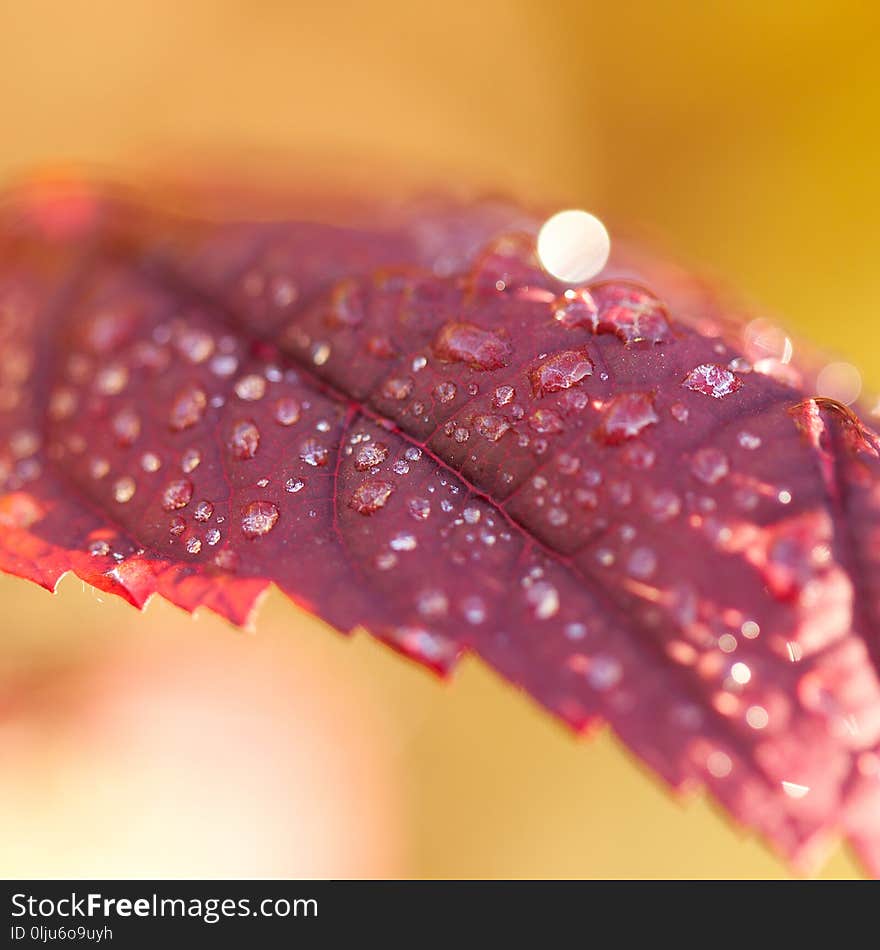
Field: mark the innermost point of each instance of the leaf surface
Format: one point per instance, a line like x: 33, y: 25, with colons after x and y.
x: 625, y: 500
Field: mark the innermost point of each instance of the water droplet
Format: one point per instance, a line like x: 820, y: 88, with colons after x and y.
x: 709, y: 465
x: 177, y: 494
x: 632, y: 314
x: 445, y: 391
x: 99, y: 549
x: 403, y: 542
x: 642, y: 563
x: 287, y: 411
x: 573, y: 246
x: 195, y: 345
x: 626, y: 416
x: 413, y: 454
x: 313, y: 453
x: 126, y: 425
x: 466, y: 343
x: 664, y: 505
x: 543, y: 598
x: 347, y: 305
x: 177, y: 527
x: 679, y: 412
x: 490, y: 426
x: 320, y: 353
x: 150, y: 462
x: 419, y: 508
x: 604, y: 672
x: 203, y: 511
x: 190, y: 460
x: 398, y: 387
x: 294, y: 485
x: 224, y: 365
x: 432, y: 604
x: 576, y: 308
x: 187, y: 409
x: 757, y: 717
x: 124, y: 489
x: 502, y: 396
x: 370, y: 496
x: 748, y: 441
x: 251, y: 387
x: 244, y: 440
x: 562, y: 371
x: 212, y: 536
x: 370, y: 455
x: 258, y: 518
x: 712, y: 379
x: 193, y: 545
x: 546, y: 420
x: 111, y: 380
x: 474, y: 610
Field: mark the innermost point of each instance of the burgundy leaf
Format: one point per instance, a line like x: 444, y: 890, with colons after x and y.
x: 636, y: 511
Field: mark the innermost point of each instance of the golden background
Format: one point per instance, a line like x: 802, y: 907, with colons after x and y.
x: 744, y: 136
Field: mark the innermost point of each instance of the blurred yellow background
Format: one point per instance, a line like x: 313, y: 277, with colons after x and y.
x: 744, y: 136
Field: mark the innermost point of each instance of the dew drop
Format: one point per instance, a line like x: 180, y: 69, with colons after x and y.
x: 126, y: 425
x: 99, y: 549
x: 177, y: 494
x: 398, y: 387
x: 748, y: 441
x: 193, y: 545
x: 203, y: 511
x: 445, y: 391
x: 370, y: 455
x: 403, y: 542
x: 187, y: 409
x: 503, y: 396
x: 294, y: 485
x: 419, y: 508
x: 576, y: 308
x: 712, y: 379
x: 258, y: 518
x: 287, y: 411
x: 190, y: 460
x: 124, y: 489
x: 467, y: 343
x: 212, y: 536
x: 150, y: 462
x: 250, y: 388
x: 709, y: 465
x: 244, y: 439
x: 546, y: 421
x: 313, y: 453
x: 370, y: 496
x: 626, y: 416
x: 177, y: 527
x: 561, y: 371
x: 679, y: 412
x: 490, y: 426
x: 195, y: 345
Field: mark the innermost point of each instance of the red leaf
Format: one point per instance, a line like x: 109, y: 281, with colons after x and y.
x: 634, y: 511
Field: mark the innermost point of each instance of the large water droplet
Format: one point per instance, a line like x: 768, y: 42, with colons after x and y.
x: 370, y: 496
x: 370, y: 455
x: 313, y: 453
x: 632, y: 314
x: 188, y: 408
x: 287, y: 411
x: 177, y: 494
x: 251, y: 387
x: 467, y: 343
x: 244, y: 440
x: 561, y: 371
x: 490, y: 426
x: 709, y: 465
x: 258, y: 518
x: 712, y: 379
x: 626, y: 415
